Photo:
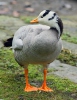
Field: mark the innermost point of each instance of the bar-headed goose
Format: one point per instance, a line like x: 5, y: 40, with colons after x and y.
x: 38, y: 44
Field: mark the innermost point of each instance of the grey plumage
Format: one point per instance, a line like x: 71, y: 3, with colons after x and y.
x: 40, y: 45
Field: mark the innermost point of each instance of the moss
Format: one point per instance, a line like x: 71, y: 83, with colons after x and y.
x: 67, y: 57
x: 67, y: 37
x: 12, y: 81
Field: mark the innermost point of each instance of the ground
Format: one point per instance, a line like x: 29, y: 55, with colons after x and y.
x: 62, y: 75
x: 12, y: 80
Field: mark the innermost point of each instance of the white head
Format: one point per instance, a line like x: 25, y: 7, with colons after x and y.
x: 50, y: 18
x: 47, y: 17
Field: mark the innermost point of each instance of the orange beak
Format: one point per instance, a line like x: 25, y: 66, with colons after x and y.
x: 34, y: 21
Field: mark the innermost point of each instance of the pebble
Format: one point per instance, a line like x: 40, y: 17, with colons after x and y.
x: 13, y: 2
x: 29, y: 9
x: 67, y: 6
x: 16, y: 14
x: 4, y: 11
x: 3, y: 3
x: 27, y: 4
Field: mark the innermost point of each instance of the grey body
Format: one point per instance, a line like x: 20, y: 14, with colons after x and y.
x: 36, y: 44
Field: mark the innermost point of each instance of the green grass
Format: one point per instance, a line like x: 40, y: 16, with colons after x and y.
x: 12, y: 81
x: 67, y: 57
x: 67, y: 37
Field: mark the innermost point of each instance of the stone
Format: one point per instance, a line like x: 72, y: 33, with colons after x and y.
x: 29, y: 9
x: 64, y: 70
x: 16, y: 14
x: 4, y: 11
x: 3, y: 3
x: 70, y: 46
x: 13, y: 2
x: 8, y: 26
x: 27, y: 4
x: 67, y: 6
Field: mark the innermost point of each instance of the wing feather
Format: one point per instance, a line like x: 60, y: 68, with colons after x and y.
x: 23, y: 31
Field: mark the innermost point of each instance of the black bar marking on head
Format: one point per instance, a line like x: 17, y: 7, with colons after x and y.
x: 52, y: 16
x: 46, y: 13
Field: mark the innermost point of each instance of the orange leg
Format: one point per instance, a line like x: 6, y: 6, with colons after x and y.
x: 28, y: 87
x: 44, y: 86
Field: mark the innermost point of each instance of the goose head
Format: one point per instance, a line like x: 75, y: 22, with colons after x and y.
x: 50, y: 18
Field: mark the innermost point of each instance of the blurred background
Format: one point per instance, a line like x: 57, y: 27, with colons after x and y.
x: 34, y: 7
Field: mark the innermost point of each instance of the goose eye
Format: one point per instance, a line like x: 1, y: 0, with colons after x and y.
x: 54, y: 14
x: 41, y: 16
